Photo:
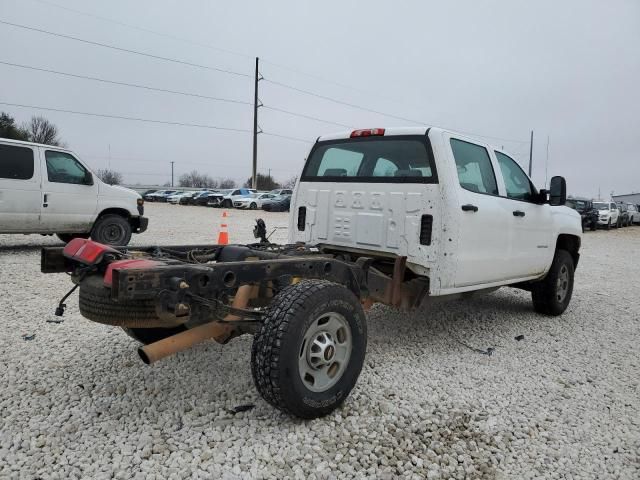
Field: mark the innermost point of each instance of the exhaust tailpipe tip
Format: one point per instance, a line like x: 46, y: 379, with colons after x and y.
x: 143, y: 356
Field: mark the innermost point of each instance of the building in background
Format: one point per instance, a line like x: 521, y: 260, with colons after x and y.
x: 628, y: 198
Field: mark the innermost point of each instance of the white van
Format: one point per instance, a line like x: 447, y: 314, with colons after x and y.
x: 48, y: 190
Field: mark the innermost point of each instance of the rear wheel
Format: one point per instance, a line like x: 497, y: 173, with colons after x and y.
x: 552, y: 295
x: 112, y: 229
x: 309, y: 352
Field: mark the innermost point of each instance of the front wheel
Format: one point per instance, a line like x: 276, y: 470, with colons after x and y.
x: 308, y: 354
x: 552, y: 295
x: 253, y: 205
x: 112, y: 229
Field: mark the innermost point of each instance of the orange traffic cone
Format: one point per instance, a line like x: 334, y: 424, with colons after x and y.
x: 223, y: 235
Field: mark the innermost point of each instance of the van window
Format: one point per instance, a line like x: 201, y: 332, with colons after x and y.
x: 475, y: 172
x: 63, y: 168
x: 16, y: 163
x: 394, y: 159
x: 516, y: 182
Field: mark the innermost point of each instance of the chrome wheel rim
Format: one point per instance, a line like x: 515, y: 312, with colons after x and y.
x: 325, y: 352
x: 562, y: 286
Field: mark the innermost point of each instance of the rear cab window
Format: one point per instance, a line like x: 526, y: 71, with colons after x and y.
x: 16, y: 163
x: 392, y: 159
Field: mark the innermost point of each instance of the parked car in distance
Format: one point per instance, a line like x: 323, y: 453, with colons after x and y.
x: 282, y: 191
x: 608, y: 214
x: 585, y: 208
x: 49, y: 190
x: 623, y: 219
x: 254, y: 201
x: 201, y: 198
x: 147, y: 192
x: 226, y: 200
x: 159, y: 196
x: 281, y: 203
x: 634, y: 213
x: 175, y: 198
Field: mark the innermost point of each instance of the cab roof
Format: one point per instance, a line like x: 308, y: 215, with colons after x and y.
x: 33, y: 144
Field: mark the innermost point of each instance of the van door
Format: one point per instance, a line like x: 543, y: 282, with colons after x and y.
x: 19, y: 189
x: 532, y: 242
x: 70, y: 194
x: 483, y: 236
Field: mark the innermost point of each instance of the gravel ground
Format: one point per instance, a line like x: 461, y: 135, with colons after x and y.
x: 75, y: 401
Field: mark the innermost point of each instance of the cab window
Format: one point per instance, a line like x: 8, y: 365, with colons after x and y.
x: 516, y: 182
x: 63, y: 168
x: 16, y: 163
x: 475, y: 172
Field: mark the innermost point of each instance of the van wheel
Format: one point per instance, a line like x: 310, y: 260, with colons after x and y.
x: 112, y: 229
x: 552, y: 295
x: 67, y: 237
x: 308, y: 354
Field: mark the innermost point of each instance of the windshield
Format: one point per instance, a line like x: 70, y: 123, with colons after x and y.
x: 397, y: 159
x: 601, y: 205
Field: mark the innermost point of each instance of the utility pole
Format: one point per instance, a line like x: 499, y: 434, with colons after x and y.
x: 254, y: 179
x: 172, y: 173
x: 530, y: 153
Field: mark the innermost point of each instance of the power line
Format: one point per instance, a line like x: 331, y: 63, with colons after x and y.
x: 378, y: 112
x: 147, y: 30
x: 119, y: 117
x: 120, y: 49
x: 297, y: 139
x: 301, y: 115
x: 125, y: 84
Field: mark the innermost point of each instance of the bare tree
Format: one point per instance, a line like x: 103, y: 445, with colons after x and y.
x: 264, y: 182
x: 291, y: 182
x: 197, y: 180
x: 227, y: 183
x: 42, y: 130
x: 109, y: 176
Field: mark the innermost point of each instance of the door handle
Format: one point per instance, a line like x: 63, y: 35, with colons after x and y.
x: 518, y: 213
x: 45, y: 201
x: 469, y: 208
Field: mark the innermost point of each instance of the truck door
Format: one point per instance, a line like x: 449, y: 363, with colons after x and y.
x: 69, y: 194
x: 19, y: 189
x: 531, y: 246
x: 483, y: 236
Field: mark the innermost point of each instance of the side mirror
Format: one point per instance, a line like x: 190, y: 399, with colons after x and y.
x: 88, y: 178
x: 557, y: 191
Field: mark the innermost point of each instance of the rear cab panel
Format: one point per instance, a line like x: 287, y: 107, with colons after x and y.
x: 372, y: 195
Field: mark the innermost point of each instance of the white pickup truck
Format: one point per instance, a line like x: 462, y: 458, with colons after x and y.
x: 393, y: 216
x: 48, y: 190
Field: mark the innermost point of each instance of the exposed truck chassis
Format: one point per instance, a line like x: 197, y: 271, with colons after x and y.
x: 222, y: 291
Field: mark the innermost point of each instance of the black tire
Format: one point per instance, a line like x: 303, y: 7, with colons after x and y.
x: 111, y: 229
x: 608, y: 227
x: 278, y: 348
x: 67, y: 237
x: 227, y: 204
x: 253, y: 206
x: 594, y: 226
x: 552, y: 295
x: 96, y: 304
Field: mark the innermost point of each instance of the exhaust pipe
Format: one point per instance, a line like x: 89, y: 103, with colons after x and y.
x: 220, y: 332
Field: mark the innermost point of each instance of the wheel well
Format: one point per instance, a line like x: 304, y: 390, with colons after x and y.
x: 571, y: 244
x: 116, y: 211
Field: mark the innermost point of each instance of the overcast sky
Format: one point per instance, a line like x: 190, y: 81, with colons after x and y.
x: 569, y: 70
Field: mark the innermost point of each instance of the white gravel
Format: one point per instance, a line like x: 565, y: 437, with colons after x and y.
x: 75, y: 402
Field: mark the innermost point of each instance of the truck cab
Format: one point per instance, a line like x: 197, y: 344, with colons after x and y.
x: 463, y: 212
x: 49, y: 190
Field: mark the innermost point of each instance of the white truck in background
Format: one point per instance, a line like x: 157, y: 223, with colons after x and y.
x: 49, y: 190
